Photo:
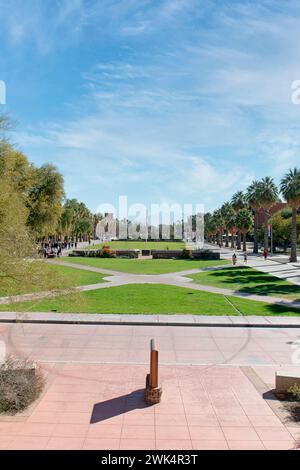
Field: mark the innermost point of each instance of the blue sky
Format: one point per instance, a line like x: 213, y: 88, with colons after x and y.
x: 163, y: 101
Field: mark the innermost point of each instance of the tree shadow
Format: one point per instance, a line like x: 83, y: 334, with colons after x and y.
x: 282, y: 309
x: 254, y: 282
x: 118, y: 406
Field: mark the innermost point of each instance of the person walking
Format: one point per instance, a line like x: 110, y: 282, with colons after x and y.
x: 265, y: 254
x: 245, y: 257
x: 234, y: 259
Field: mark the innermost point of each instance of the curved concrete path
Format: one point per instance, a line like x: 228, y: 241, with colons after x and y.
x: 178, y: 279
x: 276, y: 265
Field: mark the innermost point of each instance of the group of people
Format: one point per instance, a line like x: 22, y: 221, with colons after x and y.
x: 234, y: 257
x: 54, y: 250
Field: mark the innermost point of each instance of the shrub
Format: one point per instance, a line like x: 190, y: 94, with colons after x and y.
x: 295, y: 392
x: 186, y: 254
x: 107, y: 252
x: 21, y: 383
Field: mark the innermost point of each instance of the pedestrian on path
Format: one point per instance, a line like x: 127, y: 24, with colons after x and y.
x: 265, y: 254
x: 245, y: 257
x: 234, y: 259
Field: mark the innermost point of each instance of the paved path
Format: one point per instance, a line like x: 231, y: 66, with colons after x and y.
x: 214, y: 381
x: 178, y: 279
x: 277, y: 265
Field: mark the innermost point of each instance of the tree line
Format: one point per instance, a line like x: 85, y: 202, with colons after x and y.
x: 48, y: 214
x: 240, y: 215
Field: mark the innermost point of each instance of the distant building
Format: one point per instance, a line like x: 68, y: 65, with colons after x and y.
x: 279, y: 206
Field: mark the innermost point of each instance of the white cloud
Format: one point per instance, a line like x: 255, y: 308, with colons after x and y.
x: 194, y: 108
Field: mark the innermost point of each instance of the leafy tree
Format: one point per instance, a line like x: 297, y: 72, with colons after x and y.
x: 76, y: 221
x: 45, y: 201
x: 14, y: 166
x: 281, y: 228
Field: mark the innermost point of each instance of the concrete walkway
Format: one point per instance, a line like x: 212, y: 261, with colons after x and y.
x: 277, y: 265
x: 216, y: 383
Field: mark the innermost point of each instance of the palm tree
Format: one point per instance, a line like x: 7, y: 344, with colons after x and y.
x: 253, y: 199
x: 229, y: 216
x: 218, y: 216
x: 244, y: 221
x: 96, y: 219
x: 209, y: 226
x: 212, y: 228
x: 238, y: 202
x: 290, y: 188
x: 268, y: 195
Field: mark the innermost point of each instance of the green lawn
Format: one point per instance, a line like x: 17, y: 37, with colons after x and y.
x: 150, y: 298
x: 140, y: 245
x: 250, y: 281
x: 58, y: 277
x: 144, y: 266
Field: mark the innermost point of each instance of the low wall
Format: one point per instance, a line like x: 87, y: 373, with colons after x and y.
x: 127, y: 253
x: 98, y: 253
x: 156, y: 254
x: 206, y: 254
x: 178, y: 254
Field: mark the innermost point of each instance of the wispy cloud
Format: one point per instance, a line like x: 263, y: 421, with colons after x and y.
x: 186, y: 99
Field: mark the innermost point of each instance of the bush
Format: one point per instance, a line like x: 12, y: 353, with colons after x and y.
x: 107, y: 252
x: 21, y: 383
x: 295, y: 392
x: 186, y: 254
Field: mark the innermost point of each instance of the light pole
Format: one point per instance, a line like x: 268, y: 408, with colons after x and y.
x: 271, y: 229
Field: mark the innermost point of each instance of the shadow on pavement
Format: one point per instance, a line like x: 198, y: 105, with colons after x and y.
x: 118, y: 406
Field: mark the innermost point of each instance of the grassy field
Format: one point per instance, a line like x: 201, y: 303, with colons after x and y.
x: 151, y: 298
x: 60, y: 277
x: 140, y: 245
x: 144, y: 266
x: 250, y: 281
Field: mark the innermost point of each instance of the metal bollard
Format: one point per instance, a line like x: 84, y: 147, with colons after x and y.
x: 153, y: 391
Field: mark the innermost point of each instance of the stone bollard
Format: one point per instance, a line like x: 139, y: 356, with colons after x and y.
x: 153, y: 391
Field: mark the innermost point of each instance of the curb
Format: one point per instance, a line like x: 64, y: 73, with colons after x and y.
x: 116, y: 319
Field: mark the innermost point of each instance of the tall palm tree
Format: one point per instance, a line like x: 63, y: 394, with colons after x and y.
x: 96, y: 219
x: 218, y: 216
x: 229, y: 217
x: 253, y: 199
x: 290, y: 188
x: 268, y: 195
x: 238, y: 202
x: 209, y: 226
x: 213, y: 228
x: 244, y: 221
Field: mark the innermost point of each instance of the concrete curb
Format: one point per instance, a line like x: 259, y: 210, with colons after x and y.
x: 151, y: 320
